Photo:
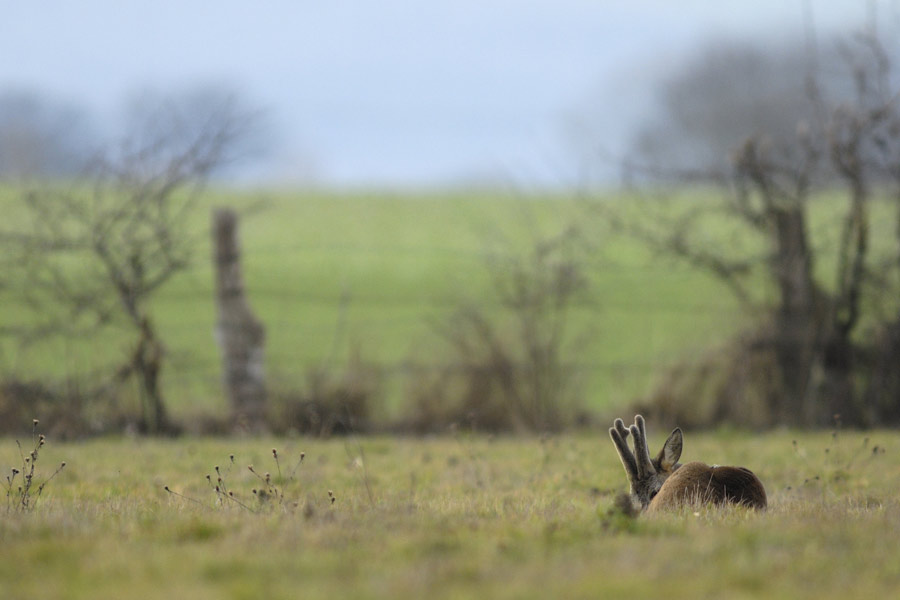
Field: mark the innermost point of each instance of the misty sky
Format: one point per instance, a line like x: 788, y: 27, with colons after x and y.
x: 394, y: 92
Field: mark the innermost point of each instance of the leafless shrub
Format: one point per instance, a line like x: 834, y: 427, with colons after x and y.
x: 512, y: 362
x: 335, y: 400
x: 74, y: 408
x: 728, y: 384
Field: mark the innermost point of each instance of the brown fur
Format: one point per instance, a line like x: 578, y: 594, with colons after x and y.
x: 696, y: 482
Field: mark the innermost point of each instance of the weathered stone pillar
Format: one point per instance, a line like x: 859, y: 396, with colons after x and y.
x: 240, y: 335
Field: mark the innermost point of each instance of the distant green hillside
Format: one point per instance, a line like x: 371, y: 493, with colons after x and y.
x: 328, y: 272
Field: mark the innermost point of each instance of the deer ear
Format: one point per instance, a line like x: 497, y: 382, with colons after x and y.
x: 671, y: 450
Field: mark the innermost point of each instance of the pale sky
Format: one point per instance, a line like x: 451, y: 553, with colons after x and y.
x: 394, y: 92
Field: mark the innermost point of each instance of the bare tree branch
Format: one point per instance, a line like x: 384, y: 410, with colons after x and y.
x: 94, y: 254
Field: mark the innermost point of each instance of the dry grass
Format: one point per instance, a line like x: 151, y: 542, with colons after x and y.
x: 451, y: 517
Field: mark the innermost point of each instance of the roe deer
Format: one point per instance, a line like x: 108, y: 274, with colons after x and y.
x: 663, y: 482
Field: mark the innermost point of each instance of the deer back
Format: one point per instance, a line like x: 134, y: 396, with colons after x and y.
x: 699, y: 483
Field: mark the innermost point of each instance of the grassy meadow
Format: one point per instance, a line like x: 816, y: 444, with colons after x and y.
x: 448, y: 517
x: 335, y: 273
x: 453, y: 516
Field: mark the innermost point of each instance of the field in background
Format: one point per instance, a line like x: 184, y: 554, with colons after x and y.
x: 333, y: 273
x: 450, y: 517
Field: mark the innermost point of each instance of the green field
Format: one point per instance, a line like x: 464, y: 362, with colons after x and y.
x: 449, y: 517
x: 384, y: 266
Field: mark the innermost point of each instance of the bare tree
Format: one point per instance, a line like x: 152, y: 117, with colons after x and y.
x: 93, y: 255
x: 843, y: 144
x: 729, y: 90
